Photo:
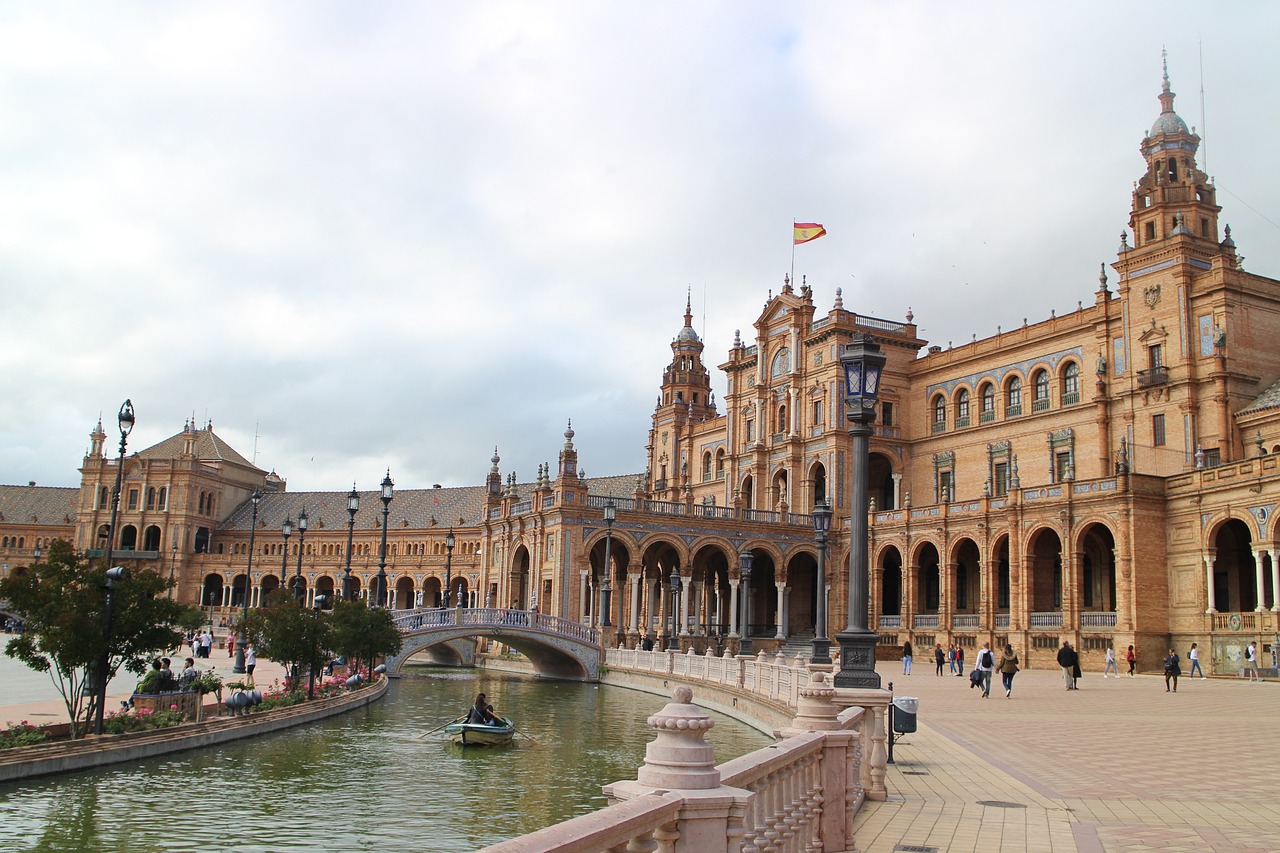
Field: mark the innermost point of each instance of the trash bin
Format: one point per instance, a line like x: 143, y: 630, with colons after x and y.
x: 904, y: 714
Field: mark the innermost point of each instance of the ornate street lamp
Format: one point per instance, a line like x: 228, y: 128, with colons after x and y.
x: 173, y: 560
x: 863, y: 363
x: 673, y: 641
x: 606, y: 587
x: 298, y: 592
x: 821, y: 524
x: 104, y: 660
x: 316, y: 606
x: 353, y: 506
x: 238, y: 666
x: 448, y: 568
x: 286, y: 528
x: 124, y: 420
x: 746, y: 558
x: 388, y: 492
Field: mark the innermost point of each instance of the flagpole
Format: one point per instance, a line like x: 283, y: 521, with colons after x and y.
x: 793, y: 250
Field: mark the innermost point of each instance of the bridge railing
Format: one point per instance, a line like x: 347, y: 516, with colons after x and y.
x: 494, y: 617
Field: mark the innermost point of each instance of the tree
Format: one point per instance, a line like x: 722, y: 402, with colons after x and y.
x: 287, y: 632
x: 62, y: 603
x: 363, y: 633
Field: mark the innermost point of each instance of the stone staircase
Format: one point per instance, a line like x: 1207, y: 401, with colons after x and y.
x: 798, y: 644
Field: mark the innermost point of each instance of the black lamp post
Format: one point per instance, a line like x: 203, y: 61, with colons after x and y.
x: 298, y: 592
x: 388, y: 492
x: 746, y: 558
x: 448, y: 568
x: 124, y: 420
x: 863, y: 363
x: 104, y: 660
x: 353, y: 506
x: 317, y: 604
x: 606, y: 587
x: 173, y: 560
x: 286, y: 528
x: 238, y: 666
x: 821, y: 524
x: 35, y: 554
x: 673, y: 641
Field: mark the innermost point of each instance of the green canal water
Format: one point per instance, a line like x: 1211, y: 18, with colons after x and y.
x: 363, y: 781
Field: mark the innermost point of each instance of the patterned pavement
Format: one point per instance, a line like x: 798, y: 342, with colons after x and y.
x: 1118, y: 765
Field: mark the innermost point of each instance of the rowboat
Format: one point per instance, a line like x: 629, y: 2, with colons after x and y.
x: 476, y: 734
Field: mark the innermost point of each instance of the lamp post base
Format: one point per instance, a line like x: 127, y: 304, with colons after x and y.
x: 857, y: 660
x: 821, y: 651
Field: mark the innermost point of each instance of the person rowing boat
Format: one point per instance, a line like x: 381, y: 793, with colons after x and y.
x: 482, y: 714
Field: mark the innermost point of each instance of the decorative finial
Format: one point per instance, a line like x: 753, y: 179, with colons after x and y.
x: 1124, y: 241
x: 1102, y: 275
x: 911, y: 317
x: 1164, y: 67
x: 839, y: 306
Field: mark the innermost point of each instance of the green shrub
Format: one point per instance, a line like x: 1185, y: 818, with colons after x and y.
x: 22, y: 734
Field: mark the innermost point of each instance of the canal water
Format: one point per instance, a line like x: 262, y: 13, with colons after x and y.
x: 364, y: 781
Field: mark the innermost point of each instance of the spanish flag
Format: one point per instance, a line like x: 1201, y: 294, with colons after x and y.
x: 806, y: 231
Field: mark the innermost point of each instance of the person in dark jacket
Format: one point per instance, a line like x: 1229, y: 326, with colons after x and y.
x: 1172, y: 669
x: 939, y: 657
x: 1070, y: 663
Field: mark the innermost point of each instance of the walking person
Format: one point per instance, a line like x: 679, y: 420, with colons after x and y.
x: 951, y: 657
x: 1171, y: 671
x: 959, y: 659
x: 986, y: 666
x: 939, y: 657
x: 1069, y: 661
x: 1251, y: 661
x: 1194, y: 657
x: 250, y: 661
x: 1008, y: 668
x: 1132, y: 660
x: 906, y: 658
x: 1111, y: 663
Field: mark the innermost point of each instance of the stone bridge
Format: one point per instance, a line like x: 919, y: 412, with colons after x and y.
x: 557, y: 648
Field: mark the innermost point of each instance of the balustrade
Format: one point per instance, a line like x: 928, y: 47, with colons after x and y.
x: 1099, y: 619
x: 925, y: 620
x: 1049, y: 619
x: 891, y: 621
x: 964, y: 620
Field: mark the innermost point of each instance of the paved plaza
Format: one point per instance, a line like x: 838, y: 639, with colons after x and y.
x: 1118, y: 765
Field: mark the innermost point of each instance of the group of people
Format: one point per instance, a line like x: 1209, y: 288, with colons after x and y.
x: 482, y: 713
x: 201, y: 642
x: 988, y: 664
x: 953, y: 657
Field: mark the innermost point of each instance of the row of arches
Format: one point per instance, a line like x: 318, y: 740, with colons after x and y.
x: 403, y: 593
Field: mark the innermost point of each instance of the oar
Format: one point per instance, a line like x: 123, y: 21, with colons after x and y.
x: 522, y: 734
x: 438, y: 728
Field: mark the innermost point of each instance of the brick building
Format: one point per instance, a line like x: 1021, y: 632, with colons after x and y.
x: 1108, y: 476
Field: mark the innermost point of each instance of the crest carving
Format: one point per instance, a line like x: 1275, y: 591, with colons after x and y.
x: 1152, y: 295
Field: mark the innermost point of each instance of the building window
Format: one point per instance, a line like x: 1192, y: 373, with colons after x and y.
x: 1155, y: 355
x: 1071, y: 384
x: 1040, y: 392
x: 751, y: 429
x: 886, y: 413
x: 988, y: 397
x: 1157, y: 430
x: 946, y: 486
x: 1013, y: 400
x: 962, y: 408
x: 939, y: 413
x: 133, y: 499
x: 1000, y: 484
x: 163, y: 502
x: 720, y: 465
x: 706, y: 466
x: 817, y: 413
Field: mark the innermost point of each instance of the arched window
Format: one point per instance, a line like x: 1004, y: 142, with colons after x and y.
x: 201, y: 510
x: 706, y: 465
x: 962, y: 407
x: 939, y: 413
x: 151, y: 498
x: 1071, y: 383
x: 104, y: 498
x: 988, y: 396
x: 162, y: 502
x: 1040, y: 391
x: 1013, y: 399
x: 720, y: 464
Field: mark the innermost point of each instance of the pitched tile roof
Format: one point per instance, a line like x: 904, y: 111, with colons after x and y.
x: 208, y: 447
x: 1268, y: 399
x: 51, y: 505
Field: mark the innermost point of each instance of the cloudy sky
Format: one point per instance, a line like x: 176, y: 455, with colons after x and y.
x: 358, y: 236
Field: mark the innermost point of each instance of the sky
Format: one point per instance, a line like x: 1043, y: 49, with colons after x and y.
x: 358, y: 237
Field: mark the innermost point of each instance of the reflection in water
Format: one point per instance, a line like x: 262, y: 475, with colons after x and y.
x: 365, y: 780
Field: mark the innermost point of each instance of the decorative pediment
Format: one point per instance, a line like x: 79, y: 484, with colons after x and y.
x: 1154, y: 333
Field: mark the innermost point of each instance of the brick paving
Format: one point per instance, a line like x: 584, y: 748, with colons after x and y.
x: 1119, y: 765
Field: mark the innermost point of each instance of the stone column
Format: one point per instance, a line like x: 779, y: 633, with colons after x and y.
x: 1208, y: 582
x: 582, y: 598
x: 782, y: 610
x: 733, y: 606
x: 897, y: 491
x: 1258, y: 554
x: 1275, y: 582
x: 701, y: 615
x: 683, y: 628
x: 633, y: 581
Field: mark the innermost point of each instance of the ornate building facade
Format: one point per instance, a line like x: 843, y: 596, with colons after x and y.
x: 1107, y: 477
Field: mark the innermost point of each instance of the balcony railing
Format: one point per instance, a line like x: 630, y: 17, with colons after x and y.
x: 1013, y: 411
x: 1235, y: 621
x: 891, y: 621
x: 1153, y: 376
x: 964, y: 620
x: 1099, y: 619
x: 924, y: 620
x: 1049, y: 619
x: 1002, y: 620
x: 1040, y: 406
